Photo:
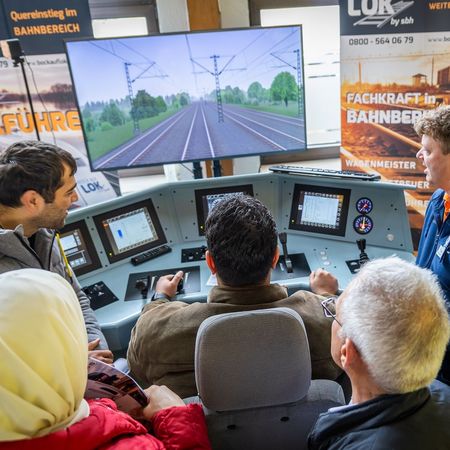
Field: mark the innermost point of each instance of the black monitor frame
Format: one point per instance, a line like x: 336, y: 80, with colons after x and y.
x: 196, y: 158
x: 343, y: 213
x: 100, y: 218
x: 89, y: 245
x: 200, y: 194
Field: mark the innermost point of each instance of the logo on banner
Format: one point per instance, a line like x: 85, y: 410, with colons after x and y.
x: 92, y: 186
x: 378, y: 12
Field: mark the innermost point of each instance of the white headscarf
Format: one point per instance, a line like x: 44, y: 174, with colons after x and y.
x: 43, y: 355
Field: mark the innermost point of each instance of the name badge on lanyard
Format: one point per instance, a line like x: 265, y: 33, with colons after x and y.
x: 441, y: 250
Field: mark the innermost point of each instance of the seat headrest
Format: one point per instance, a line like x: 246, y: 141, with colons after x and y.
x: 252, y: 359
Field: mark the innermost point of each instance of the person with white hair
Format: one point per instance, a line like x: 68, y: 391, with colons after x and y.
x: 389, y: 334
x: 42, y: 385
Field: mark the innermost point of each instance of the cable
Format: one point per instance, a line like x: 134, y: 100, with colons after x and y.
x: 135, y: 51
x: 40, y: 97
x: 187, y: 168
x: 108, y: 51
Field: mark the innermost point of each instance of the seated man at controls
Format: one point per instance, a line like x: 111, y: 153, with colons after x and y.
x: 389, y: 335
x: 242, y: 249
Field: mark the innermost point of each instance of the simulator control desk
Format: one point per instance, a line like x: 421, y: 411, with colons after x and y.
x: 119, y: 248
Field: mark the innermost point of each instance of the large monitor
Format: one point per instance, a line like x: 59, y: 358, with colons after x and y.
x: 206, y: 198
x: 189, y: 96
x: 319, y: 209
x: 79, y: 248
x: 130, y: 230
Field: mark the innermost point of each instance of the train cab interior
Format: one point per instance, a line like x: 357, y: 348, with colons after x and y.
x: 278, y: 144
x: 120, y: 248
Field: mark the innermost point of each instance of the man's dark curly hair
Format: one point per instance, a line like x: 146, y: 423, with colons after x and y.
x: 242, y: 238
x: 32, y: 165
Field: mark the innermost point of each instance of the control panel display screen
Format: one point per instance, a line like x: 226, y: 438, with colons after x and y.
x: 79, y: 248
x: 205, y: 199
x: 320, y: 209
x: 130, y: 230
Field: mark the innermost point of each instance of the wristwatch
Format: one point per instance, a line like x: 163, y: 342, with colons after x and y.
x: 159, y: 296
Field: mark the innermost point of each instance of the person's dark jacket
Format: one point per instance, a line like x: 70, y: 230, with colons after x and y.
x: 16, y: 253
x: 417, y: 420
x: 434, y: 254
x: 436, y: 234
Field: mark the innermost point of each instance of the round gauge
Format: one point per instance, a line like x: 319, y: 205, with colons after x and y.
x: 363, y: 224
x: 364, y: 205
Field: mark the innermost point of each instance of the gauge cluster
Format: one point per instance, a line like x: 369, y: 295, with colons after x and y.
x: 363, y: 224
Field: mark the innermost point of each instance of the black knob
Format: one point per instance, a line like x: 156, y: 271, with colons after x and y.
x: 140, y: 284
x: 363, y: 258
x: 361, y: 243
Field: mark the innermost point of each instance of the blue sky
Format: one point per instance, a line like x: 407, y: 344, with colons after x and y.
x: 161, y: 64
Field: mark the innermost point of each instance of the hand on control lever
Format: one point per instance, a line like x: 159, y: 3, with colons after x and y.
x: 363, y: 258
x: 287, y: 260
x: 168, y: 284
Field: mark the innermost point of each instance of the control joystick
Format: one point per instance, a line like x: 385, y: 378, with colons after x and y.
x: 180, y: 287
x: 143, y: 286
x: 287, y: 259
x: 363, y: 258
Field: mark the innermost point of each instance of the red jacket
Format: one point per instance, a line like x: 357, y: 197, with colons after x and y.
x: 106, y: 428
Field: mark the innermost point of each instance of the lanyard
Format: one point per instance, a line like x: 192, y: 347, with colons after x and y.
x: 66, y: 262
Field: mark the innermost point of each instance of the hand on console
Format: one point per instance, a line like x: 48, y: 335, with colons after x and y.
x: 160, y: 397
x: 322, y: 282
x: 168, y: 284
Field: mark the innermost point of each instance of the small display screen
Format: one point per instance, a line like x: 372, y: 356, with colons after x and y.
x: 79, y: 248
x: 130, y: 230
x: 320, y: 209
x: 205, y: 199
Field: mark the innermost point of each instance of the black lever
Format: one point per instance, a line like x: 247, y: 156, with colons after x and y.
x: 287, y: 260
x: 143, y: 286
x: 363, y: 258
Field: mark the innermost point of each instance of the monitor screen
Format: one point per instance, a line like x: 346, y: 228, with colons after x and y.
x: 181, y: 97
x: 205, y: 199
x: 127, y: 231
x: 79, y: 249
x: 319, y: 209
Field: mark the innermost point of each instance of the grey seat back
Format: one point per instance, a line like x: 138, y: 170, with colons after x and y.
x: 253, y: 374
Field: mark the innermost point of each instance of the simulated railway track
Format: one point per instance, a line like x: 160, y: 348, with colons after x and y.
x: 194, y: 133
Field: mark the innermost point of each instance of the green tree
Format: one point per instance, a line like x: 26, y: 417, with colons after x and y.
x: 284, y: 88
x: 227, y: 94
x: 144, y: 105
x: 112, y: 114
x: 88, y: 119
x: 106, y: 126
x: 183, y: 100
x: 256, y: 91
x: 160, y: 104
x: 238, y: 96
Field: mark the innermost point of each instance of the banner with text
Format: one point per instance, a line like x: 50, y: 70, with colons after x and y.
x: 42, y: 26
x: 395, y: 64
x: 47, y: 71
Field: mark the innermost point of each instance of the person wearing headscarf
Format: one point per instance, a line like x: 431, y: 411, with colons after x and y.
x: 42, y: 385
